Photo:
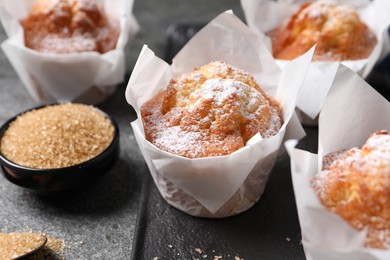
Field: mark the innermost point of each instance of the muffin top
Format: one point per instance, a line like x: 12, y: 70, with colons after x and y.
x: 69, y: 26
x: 356, y: 186
x: 211, y: 111
x: 337, y: 31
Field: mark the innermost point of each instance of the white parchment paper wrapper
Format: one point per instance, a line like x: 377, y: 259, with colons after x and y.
x: 265, y: 15
x: 225, y: 185
x: 352, y: 111
x: 87, y: 77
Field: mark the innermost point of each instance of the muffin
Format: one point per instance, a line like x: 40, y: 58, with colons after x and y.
x: 69, y: 26
x: 68, y: 50
x: 336, y: 30
x: 211, y: 111
x: 243, y: 128
x: 355, y: 184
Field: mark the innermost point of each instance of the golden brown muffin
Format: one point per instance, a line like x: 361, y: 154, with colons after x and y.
x: 69, y: 26
x: 336, y: 29
x: 211, y: 111
x: 356, y: 186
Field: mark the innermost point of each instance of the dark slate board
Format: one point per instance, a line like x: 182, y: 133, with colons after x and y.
x: 269, y: 230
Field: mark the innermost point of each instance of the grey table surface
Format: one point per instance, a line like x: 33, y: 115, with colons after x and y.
x: 98, y: 222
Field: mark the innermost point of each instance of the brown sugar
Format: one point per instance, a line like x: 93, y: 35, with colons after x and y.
x: 57, y: 136
x: 13, y: 245
x: 54, y: 249
x: 69, y: 26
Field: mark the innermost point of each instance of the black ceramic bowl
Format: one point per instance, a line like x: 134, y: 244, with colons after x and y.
x: 60, y: 179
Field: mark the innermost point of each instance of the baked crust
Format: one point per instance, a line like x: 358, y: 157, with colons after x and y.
x: 356, y: 186
x: 337, y: 31
x: 211, y: 111
x: 68, y: 26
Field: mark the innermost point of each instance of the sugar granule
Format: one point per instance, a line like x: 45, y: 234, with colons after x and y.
x: 57, y: 136
x: 13, y: 245
x: 54, y: 249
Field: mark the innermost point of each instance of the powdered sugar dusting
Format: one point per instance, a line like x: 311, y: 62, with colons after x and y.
x: 212, y: 114
x: 357, y: 187
x: 274, y: 124
x: 315, y: 10
x: 336, y: 29
x: 179, y: 142
x: 327, y: 10
x: 69, y: 27
x: 249, y: 101
x: 373, y: 157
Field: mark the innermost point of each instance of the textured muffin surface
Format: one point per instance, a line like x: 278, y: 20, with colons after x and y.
x: 337, y: 31
x: 69, y: 26
x: 356, y: 186
x: 211, y: 111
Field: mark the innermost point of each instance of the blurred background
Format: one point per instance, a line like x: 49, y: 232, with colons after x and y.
x: 99, y: 222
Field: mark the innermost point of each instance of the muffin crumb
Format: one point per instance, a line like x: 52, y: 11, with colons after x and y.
x: 198, y: 250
